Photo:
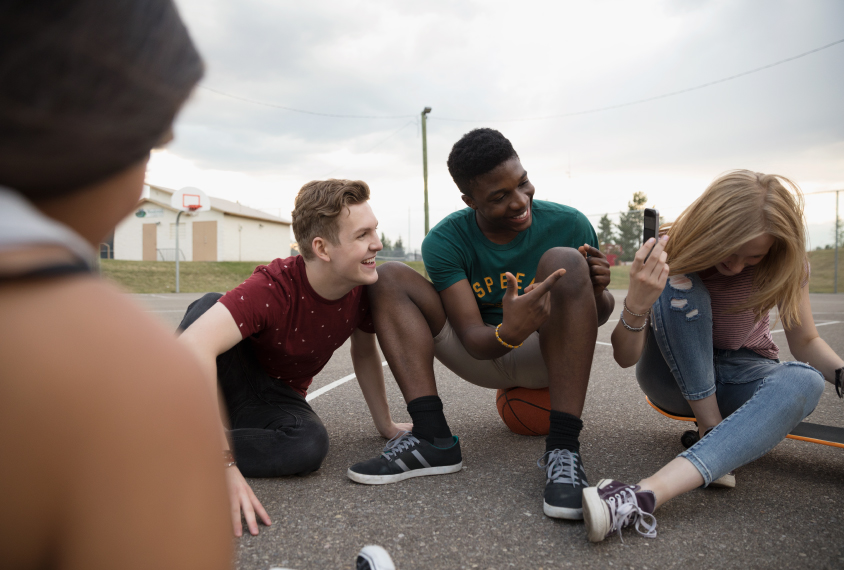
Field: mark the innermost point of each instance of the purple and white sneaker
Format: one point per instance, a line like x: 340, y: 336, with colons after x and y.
x: 612, y: 505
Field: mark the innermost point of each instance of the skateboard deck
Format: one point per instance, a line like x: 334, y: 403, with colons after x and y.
x: 805, y: 431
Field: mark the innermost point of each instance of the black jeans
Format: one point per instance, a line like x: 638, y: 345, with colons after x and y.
x: 274, y: 431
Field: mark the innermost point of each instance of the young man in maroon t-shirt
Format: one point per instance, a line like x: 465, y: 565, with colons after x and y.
x: 267, y: 338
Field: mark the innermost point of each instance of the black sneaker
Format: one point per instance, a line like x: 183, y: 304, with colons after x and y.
x: 374, y: 557
x: 405, y: 456
x: 564, y: 484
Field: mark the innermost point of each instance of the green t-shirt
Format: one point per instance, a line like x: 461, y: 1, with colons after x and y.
x: 456, y: 249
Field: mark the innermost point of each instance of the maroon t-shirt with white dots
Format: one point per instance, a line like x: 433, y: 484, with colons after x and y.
x: 294, y: 330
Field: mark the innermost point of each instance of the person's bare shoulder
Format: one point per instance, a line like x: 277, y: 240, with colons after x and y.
x: 113, y: 430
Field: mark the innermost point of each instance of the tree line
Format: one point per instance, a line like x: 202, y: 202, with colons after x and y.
x: 625, y: 237
x: 391, y: 249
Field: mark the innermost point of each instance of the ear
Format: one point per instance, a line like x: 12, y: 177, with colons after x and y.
x: 320, y: 248
x: 469, y: 201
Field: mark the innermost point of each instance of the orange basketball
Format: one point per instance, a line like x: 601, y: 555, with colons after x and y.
x: 525, y: 411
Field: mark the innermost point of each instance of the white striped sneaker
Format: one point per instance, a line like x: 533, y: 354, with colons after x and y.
x: 406, y: 456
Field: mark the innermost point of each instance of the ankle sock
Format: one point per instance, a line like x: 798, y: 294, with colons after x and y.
x: 428, y: 419
x: 564, y: 432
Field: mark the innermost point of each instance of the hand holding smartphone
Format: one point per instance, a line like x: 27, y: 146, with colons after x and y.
x: 651, y: 223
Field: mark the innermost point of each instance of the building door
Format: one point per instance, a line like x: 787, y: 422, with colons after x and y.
x: 150, y: 242
x: 205, y: 241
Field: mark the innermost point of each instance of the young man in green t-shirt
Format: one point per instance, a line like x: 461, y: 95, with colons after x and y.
x: 519, y: 290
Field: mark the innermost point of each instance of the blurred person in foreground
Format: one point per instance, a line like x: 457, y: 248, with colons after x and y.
x: 695, y: 323
x: 107, y: 428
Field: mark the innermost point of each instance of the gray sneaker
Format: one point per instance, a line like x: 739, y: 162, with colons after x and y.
x: 612, y: 505
x: 564, y: 484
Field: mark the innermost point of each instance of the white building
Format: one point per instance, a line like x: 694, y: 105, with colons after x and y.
x: 228, y: 232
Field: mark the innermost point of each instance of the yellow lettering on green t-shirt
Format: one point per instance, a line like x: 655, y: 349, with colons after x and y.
x: 503, y: 280
x: 478, y: 289
x: 488, y: 281
x: 519, y: 279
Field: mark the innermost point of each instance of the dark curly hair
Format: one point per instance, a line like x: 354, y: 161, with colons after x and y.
x: 477, y: 152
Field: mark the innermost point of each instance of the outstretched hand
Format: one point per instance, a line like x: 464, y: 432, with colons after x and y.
x: 241, y: 498
x: 647, y: 279
x: 524, y: 314
x: 599, y: 268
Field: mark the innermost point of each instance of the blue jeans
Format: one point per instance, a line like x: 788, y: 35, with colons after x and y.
x: 760, y: 399
x: 275, y: 432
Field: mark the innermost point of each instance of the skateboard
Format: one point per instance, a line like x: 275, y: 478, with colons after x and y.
x: 805, y: 431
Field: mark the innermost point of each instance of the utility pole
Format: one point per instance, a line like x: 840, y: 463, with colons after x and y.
x: 179, y: 215
x: 835, y: 271
x: 425, y: 112
x: 835, y: 275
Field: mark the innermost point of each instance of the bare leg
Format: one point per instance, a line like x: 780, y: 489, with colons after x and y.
x: 407, y: 312
x: 706, y: 413
x: 677, y: 477
x: 568, y: 336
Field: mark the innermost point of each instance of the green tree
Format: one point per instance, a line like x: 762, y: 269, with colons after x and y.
x: 606, y: 234
x: 388, y: 246
x: 398, y: 248
x: 630, y: 226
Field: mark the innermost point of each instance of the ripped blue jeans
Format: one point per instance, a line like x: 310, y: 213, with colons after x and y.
x: 760, y: 399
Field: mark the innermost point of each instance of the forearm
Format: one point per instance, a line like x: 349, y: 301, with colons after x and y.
x: 819, y: 355
x: 604, y: 303
x: 627, y: 345
x: 370, y: 375
x: 481, y: 344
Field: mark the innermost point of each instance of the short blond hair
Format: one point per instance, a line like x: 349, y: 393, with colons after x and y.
x: 318, y: 204
x: 737, y: 207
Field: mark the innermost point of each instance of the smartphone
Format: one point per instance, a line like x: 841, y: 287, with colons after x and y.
x: 651, y: 224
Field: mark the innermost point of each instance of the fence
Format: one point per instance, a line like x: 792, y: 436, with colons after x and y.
x: 169, y: 254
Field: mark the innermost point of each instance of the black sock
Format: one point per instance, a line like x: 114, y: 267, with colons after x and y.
x: 428, y: 418
x: 564, y: 432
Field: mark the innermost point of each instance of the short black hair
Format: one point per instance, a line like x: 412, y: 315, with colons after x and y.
x: 479, y: 151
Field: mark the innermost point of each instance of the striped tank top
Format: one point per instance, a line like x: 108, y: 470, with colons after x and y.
x: 732, y: 331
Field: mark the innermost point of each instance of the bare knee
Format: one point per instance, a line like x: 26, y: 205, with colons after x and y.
x: 395, y: 275
x: 576, y: 278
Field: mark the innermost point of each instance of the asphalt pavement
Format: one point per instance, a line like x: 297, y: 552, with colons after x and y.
x: 787, y: 510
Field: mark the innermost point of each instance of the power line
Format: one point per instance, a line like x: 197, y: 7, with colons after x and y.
x: 640, y: 101
x: 376, y: 145
x: 334, y: 115
x: 557, y: 116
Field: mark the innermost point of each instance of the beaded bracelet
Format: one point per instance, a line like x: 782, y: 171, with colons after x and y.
x: 626, y: 308
x: 502, y: 342
x: 634, y: 329
x: 228, y: 458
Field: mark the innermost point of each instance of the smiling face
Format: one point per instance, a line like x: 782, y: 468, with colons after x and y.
x: 502, y: 200
x: 352, y: 259
x: 748, y: 254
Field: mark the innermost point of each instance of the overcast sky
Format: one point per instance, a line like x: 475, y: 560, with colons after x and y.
x: 502, y: 65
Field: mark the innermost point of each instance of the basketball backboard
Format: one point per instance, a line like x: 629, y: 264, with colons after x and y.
x: 190, y: 199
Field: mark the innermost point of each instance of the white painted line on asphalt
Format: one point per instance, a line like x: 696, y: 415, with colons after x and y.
x: 603, y: 343
x: 816, y: 324
x: 333, y: 385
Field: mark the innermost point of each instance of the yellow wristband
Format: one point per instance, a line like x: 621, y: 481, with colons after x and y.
x: 502, y: 342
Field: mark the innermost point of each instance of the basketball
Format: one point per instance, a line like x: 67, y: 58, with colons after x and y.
x: 525, y: 411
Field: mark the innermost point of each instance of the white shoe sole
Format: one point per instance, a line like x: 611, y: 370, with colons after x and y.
x: 387, y: 479
x: 595, y: 515
x: 727, y: 481
x: 562, y: 512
